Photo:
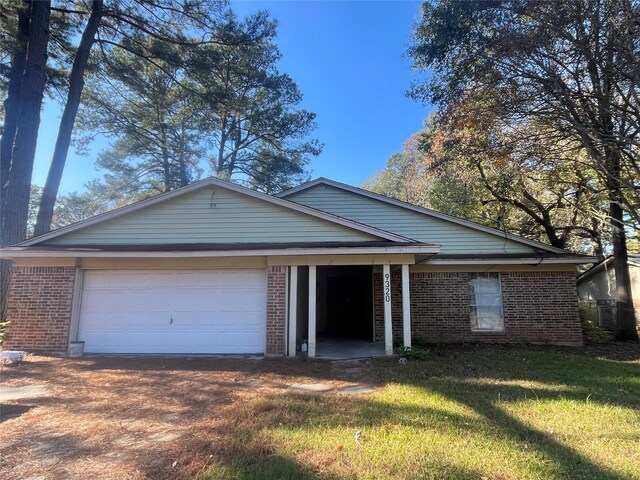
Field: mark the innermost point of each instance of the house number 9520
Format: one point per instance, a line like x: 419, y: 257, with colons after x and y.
x: 387, y: 288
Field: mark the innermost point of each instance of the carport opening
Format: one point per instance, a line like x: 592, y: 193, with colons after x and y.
x: 345, y: 303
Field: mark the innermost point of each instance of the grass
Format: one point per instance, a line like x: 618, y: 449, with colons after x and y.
x: 475, y: 413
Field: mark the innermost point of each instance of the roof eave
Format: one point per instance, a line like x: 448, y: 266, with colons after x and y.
x: 569, y: 260
x: 43, y: 252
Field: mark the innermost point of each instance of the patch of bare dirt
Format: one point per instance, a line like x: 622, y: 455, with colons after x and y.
x: 132, y: 418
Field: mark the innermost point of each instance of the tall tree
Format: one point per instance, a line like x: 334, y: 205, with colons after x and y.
x: 451, y: 167
x: 76, y: 84
x: 570, y: 66
x: 151, y: 118
x: 251, y: 112
x: 535, y: 177
x: 26, y: 102
x: 14, y: 201
x: 227, y: 104
x: 15, y: 70
x: 119, y: 25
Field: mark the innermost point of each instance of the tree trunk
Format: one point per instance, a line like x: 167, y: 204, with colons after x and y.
x: 76, y: 85
x: 166, y: 161
x: 14, y: 218
x: 181, y: 158
x: 625, y: 315
x: 12, y: 102
x: 15, y: 211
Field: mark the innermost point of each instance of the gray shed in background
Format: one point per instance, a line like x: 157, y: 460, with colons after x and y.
x: 597, y: 291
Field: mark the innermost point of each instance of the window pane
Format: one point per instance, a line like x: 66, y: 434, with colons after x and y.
x: 489, y: 318
x: 488, y: 284
x: 488, y: 299
x: 486, y: 302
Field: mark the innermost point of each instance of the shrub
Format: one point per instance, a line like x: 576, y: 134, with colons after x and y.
x: 593, y: 333
x: 414, y: 353
x: 3, y: 331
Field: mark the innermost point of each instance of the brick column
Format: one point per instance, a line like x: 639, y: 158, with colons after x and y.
x: 39, y: 308
x: 276, y: 310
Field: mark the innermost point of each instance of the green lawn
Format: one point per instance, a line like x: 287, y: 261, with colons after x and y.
x: 463, y: 413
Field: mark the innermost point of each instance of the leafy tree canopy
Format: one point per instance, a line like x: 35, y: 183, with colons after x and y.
x: 550, y: 91
x: 225, y: 103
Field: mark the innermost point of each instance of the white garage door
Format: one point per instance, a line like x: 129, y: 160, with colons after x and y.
x: 211, y: 311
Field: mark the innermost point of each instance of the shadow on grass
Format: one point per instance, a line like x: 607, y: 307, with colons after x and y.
x: 237, y: 444
x: 480, y: 380
x: 567, y: 462
x: 367, y: 414
x: 571, y: 376
x: 258, y: 465
x: 251, y: 455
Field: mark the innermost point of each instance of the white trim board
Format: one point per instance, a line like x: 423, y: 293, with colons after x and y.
x: 415, y: 208
x: 211, y: 181
x: 20, y: 252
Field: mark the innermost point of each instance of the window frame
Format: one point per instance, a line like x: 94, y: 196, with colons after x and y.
x: 473, y: 304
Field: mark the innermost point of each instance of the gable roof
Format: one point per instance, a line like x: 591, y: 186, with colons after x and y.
x: 208, y: 182
x: 422, y: 210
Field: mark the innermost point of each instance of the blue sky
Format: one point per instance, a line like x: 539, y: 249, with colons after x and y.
x: 347, y: 58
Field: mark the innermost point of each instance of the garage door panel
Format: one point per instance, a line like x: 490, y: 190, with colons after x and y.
x: 220, y: 301
x: 96, y: 320
x: 220, y: 311
x: 229, y: 342
x: 132, y: 300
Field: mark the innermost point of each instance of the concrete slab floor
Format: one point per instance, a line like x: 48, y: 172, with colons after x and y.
x: 335, y: 348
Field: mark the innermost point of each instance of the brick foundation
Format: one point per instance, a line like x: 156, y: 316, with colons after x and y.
x: 539, y: 307
x: 276, y: 310
x: 39, y: 308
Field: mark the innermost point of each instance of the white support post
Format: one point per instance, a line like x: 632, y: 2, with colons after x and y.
x: 293, y: 310
x: 312, y: 310
x: 406, y: 307
x: 386, y: 296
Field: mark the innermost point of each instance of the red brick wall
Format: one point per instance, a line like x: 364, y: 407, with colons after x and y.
x: 39, y: 308
x: 539, y: 307
x: 276, y: 310
x: 542, y: 306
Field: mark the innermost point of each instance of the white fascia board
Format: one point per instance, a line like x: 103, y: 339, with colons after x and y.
x: 18, y: 252
x: 510, y: 261
x: 163, y: 197
x: 415, y: 208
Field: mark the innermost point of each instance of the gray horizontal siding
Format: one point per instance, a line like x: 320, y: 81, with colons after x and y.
x: 236, y: 218
x: 453, y: 237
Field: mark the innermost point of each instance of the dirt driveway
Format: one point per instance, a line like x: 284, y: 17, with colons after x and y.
x: 130, y: 418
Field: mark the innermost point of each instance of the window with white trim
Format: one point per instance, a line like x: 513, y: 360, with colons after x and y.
x: 486, y: 303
